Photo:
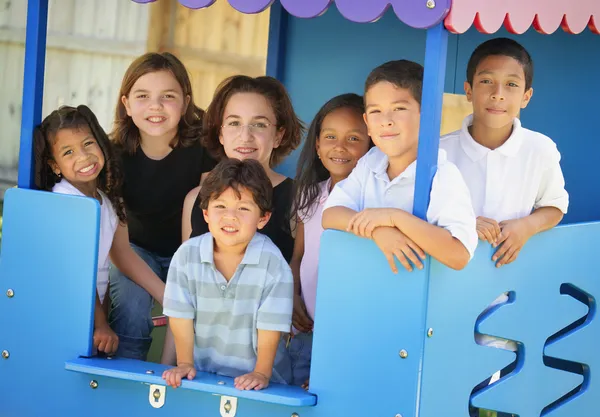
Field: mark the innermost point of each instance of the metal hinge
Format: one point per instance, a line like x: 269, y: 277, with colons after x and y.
x: 228, y: 406
x: 157, y: 395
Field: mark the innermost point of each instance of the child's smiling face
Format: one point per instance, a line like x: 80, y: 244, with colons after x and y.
x: 234, y: 218
x: 77, y: 156
x: 498, y: 92
x: 392, y: 116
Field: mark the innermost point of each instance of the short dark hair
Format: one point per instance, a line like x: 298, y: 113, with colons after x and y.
x: 233, y: 173
x: 403, y: 74
x: 277, y: 96
x: 502, y: 47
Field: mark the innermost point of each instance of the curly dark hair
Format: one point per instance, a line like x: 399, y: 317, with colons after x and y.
x: 109, y: 180
x: 125, y: 133
x: 276, y: 95
x: 310, y: 171
x: 233, y: 173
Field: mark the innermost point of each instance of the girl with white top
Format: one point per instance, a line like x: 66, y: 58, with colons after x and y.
x: 73, y: 156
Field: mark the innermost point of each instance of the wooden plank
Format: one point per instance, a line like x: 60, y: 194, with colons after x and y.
x: 261, y: 38
x: 61, y: 16
x: 216, y: 22
x: 10, y: 111
x: 105, y: 19
x: 5, y: 6
x: 198, y: 58
x: 158, y: 25
x: 247, y: 32
x: 180, y: 32
x: 79, y: 43
x: 83, y: 24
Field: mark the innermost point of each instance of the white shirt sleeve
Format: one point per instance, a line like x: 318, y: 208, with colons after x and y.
x: 450, y: 206
x: 349, y: 192
x: 552, y: 191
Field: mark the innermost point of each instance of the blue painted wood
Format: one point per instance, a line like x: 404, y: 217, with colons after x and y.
x: 436, y: 50
x: 276, y: 48
x: 33, y: 86
x: 365, y: 315
x: 134, y: 370
x: 454, y: 364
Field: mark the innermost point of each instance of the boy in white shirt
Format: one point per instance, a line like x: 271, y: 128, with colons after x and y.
x: 376, y: 200
x: 513, y: 173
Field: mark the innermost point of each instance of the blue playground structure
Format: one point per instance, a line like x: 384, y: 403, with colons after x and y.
x: 385, y: 345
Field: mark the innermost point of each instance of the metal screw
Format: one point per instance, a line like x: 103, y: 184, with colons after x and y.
x: 403, y: 354
x: 220, y: 382
x: 93, y: 384
x: 227, y: 407
x: 398, y: 415
x: 109, y: 357
x: 5, y: 354
x: 156, y: 394
x: 295, y: 415
x: 10, y: 293
x: 150, y: 372
x: 430, y: 332
x: 430, y: 4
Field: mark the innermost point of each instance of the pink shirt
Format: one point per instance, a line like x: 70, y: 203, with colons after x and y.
x: 312, y: 242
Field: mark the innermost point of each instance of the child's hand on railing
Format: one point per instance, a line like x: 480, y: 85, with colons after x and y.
x: 365, y: 222
x: 515, y: 233
x: 394, y: 243
x: 174, y: 376
x: 488, y: 229
x: 105, y: 340
x: 252, y: 381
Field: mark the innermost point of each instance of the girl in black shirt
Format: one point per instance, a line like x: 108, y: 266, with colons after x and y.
x: 251, y: 118
x: 157, y: 134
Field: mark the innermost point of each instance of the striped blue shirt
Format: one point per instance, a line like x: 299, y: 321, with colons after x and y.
x: 227, y: 315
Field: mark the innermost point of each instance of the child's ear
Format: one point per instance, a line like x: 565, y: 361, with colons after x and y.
x: 125, y: 102
x: 262, y: 222
x: 526, y: 97
x: 367, y: 124
x: 279, y: 138
x: 468, y: 91
x: 187, y: 103
x: 205, y: 214
x: 54, y: 166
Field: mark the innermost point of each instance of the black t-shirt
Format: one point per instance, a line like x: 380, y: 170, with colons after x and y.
x: 278, y: 228
x: 153, y: 193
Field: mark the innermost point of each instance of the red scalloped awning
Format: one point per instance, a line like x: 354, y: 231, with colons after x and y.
x: 518, y: 16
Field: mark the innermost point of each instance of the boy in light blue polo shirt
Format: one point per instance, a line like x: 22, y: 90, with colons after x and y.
x: 229, y: 292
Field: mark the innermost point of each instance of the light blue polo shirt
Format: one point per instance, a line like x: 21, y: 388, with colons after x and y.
x: 227, y: 315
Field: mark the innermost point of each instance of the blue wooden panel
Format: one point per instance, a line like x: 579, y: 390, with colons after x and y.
x: 134, y: 370
x: 33, y: 86
x: 278, y: 21
x: 365, y: 315
x: 455, y: 364
x: 563, y: 106
x: 49, y: 252
x: 319, y: 66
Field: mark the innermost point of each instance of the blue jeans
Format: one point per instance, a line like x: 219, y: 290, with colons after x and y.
x: 131, y: 313
x: 293, y: 361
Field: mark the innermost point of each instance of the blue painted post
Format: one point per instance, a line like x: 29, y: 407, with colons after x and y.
x: 33, y: 86
x: 277, y: 40
x: 436, y: 49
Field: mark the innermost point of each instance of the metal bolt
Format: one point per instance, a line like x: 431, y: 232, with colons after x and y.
x: 10, y: 293
x: 227, y: 407
x: 93, y: 384
x: 398, y: 415
x: 220, y: 382
x: 150, y: 372
x: 295, y: 415
x: 109, y: 357
x: 430, y: 332
x: 156, y: 394
x: 403, y: 354
x: 5, y: 354
x: 430, y: 4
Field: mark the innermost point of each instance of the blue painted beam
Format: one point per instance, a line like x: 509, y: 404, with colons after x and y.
x: 277, y: 41
x: 436, y: 51
x: 33, y: 86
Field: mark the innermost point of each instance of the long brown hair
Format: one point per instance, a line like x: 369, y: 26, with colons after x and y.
x: 125, y: 133
x: 110, y: 178
x: 277, y: 97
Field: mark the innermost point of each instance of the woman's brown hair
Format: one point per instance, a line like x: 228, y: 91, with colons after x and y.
x: 110, y: 178
x: 125, y: 133
x: 276, y: 95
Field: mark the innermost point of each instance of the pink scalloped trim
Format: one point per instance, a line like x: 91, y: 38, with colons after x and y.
x: 546, y: 16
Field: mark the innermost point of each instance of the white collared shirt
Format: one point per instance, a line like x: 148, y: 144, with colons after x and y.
x: 513, y: 180
x: 368, y: 186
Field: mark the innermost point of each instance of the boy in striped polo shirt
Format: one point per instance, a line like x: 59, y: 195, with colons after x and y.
x: 229, y: 292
